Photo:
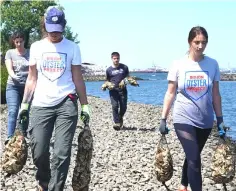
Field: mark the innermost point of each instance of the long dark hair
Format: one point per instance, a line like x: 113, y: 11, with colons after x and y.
x: 14, y: 36
x: 196, y: 31
x: 43, y: 28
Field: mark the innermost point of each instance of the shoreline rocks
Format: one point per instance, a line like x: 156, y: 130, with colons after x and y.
x: 88, y: 77
x: 228, y: 77
x: 121, y: 160
x: 93, y: 77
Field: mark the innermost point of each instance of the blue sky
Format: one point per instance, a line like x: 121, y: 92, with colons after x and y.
x: 147, y: 32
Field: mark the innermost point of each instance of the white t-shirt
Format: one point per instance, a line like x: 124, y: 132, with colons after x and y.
x: 53, y: 62
x: 193, y: 104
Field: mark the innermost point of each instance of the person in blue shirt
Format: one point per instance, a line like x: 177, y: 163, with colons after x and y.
x: 118, y: 95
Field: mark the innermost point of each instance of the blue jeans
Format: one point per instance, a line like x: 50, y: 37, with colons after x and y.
x: 14, y: 96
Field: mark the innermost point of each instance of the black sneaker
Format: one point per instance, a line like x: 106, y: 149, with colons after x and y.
x: 116, y: 126
x: 7, y: 140
x: 121, y: 122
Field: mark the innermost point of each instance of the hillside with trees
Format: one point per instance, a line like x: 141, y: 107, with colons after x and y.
x: 27, y: 17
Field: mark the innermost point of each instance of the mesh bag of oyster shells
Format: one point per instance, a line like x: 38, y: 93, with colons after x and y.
x: 132, y: 81
x: 163, y: 165
x: 223, y: 162
x: 15, y: 154
x: 108, y: 85
x: 82, y: 173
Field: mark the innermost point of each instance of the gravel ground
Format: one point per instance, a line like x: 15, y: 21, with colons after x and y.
x: 122, y: 160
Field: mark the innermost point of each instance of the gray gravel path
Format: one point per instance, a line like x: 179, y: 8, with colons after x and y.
x: 122, y: 160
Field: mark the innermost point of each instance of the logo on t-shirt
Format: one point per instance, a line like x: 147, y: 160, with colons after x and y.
x: 196, y: 84
x: 53, y: 65
x: 18, y: 64
x: 115, y: 72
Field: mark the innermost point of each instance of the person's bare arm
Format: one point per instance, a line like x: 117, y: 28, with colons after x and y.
x: 169, y: 98
x: 79, y: 83
x: 216, y: 99
x: 9, y: 66
x: 30, y: 84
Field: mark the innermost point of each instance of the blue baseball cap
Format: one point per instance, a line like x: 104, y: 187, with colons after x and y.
x: 54, y: 19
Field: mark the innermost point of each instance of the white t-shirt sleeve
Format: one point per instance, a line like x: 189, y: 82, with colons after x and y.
x: 33, y: 55
x: 173, y: 72
x: 76, y: 60
x: 217, y: 73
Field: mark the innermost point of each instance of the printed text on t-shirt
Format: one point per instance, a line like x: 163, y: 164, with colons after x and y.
x: 196, y: 84
x: 53, y: 65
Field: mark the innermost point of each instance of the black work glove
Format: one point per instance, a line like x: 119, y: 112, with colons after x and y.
x: 163, y: 129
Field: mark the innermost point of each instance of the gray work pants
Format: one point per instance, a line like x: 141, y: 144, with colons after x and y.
x: 61, y: 118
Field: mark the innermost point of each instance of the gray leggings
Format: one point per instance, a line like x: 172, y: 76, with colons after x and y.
x: 61, y: 118
x: 192, y: 140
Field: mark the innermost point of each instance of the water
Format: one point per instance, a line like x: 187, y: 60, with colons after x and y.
x: 152, y: 91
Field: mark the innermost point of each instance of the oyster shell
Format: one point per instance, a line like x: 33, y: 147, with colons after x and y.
x: 108, y: 85
x: 81, y: 175
x: 15, y: 154
x: 223, y: 164
x: 132, y: 81
x: 163, y: 165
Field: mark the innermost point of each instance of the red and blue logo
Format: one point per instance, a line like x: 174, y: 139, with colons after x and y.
x: 53, y: 65
x: 196, y: 84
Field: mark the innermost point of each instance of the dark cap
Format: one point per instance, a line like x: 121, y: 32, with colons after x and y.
x: 54, y: 19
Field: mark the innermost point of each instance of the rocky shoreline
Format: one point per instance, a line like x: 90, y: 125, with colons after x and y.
x: 100, y: 77
x: 122, y: 160
x: 90, y: 77
x: 228, y: 77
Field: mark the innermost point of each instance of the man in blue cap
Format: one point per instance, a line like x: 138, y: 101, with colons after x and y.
x: 56, y: 80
